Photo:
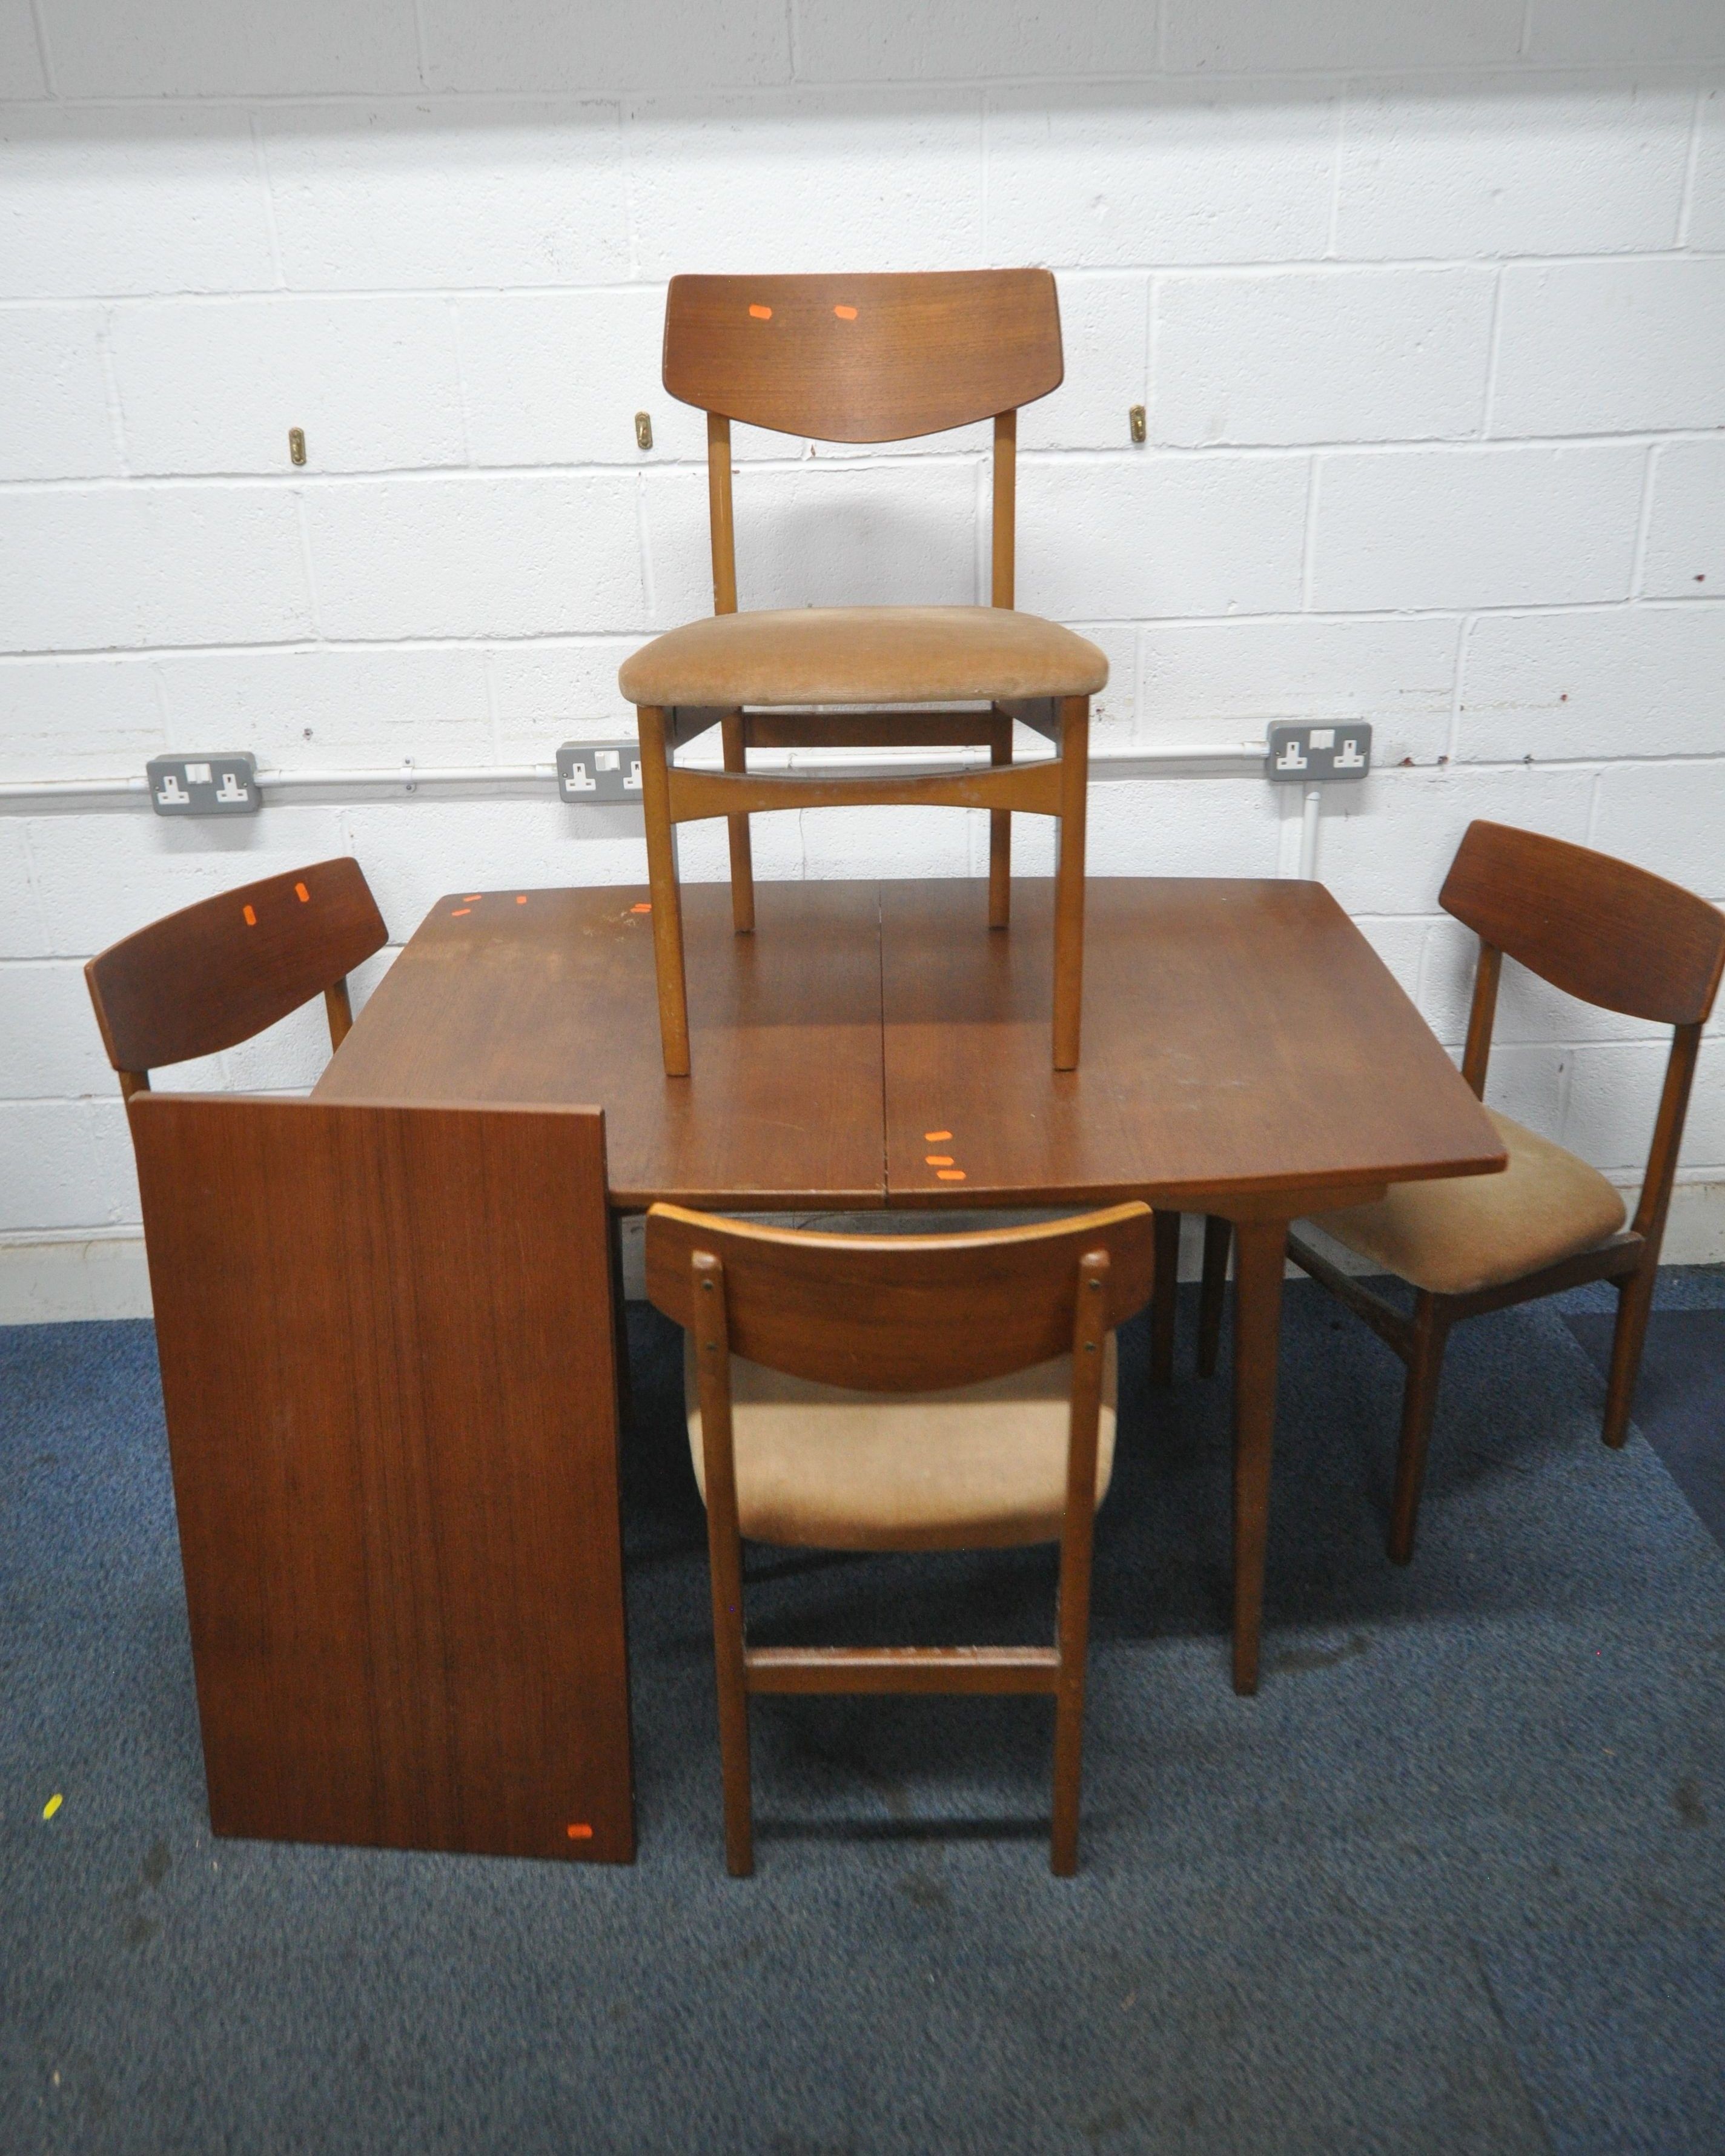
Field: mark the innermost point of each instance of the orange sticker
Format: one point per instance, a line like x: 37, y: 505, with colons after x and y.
x: 643, y: 908
x: 949, y: 1175
x: 579, y: 1831
x: 302, y: 894
x: 251, y: 918
x: 473, y: 898
x: 459, y: 911
x: 938, y: 1159
x: 761, y: 314
x: 936, y: 1137
x: 845, y: 313
x: 520, y: 901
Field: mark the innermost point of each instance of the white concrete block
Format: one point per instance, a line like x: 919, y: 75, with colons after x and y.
x: 416, y: 851
x: 1613, y: 1099
x: 77, y: 718
x: 776, y: 848
x: 49, y: 1047
x: 1114, y: 712
x: 806, y: 181
x: 1547, y: 169
x: 116, y: 1162
x: 1610, y: 347
x: 138, y: 201
x: 1226, y: 680
x: 1446, y: 971
x: 1385, y: 844
x: 1528, y: 1084
x: 133, y: 48
x: 925, y: 41
x: 481, y: 194
x: 99, y: 876
x: 288, y: 1057
x: 1476, y: 527
x: 1686, y: 533
x: 1140, y: 535
x: 365, y: 706
x: 54, y: 422
x: 475, y: 554
x: 822, y: 534
x: 1589, y: 32
x: 557, y: 378
x: 544, y: 45
x: 23, y: 932
x: 1400, y: 943
x: 1141, y: 179
x: 83, y: 569
x: 62, y: 1280
x: 1105, y: 324
x: 371, y: 382
x: 1706, y: 208
x: 21, y: 75
x: 54, y: 1173
x: 889, y: 842
x: 545, y: 693
x: 1208, y: 827
x: 1668, y: 817
x: 1632, y: 681
x: 1321, y: 356
x: 1256, y: 37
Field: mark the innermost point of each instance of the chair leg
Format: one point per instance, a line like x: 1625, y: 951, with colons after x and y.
x: 1069, y: 881
x: 1165, y: 1300
x: 1635, y: 1302
x: 742, y: 858
x: 667, y: 904
x: 1425, y: 1366
x: 1000, y: 834
x: 1068, y: 1771
x: 1218, y: 1239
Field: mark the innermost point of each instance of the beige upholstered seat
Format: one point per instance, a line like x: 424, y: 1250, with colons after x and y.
x: 1476, y: 1231
x: 979, y: 1467
x: 863, y: 655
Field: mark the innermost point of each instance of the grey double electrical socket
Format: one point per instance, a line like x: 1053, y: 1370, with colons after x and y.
x: 205, y: 785
x: 1303, y: 751
x: 599, y: 771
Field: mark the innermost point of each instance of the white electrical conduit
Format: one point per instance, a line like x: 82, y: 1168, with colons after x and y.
x: 415, y: 775
x: 410, y: 776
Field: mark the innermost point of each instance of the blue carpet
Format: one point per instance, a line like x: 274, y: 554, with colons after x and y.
x: 1320, y: 1920
x: 1680, y: 1401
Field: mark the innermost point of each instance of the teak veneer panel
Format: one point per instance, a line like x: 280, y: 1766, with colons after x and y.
x: 1243, y: 1043
x: 550, y: 995
x: 386, y: 1338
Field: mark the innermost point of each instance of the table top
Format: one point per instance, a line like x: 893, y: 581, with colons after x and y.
x: 1245, y: 1051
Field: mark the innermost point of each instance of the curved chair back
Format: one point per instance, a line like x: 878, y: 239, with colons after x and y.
x: 862, y: 359
x: 900, y: 1313
x: 1612, y: 934
x: 217, y: 972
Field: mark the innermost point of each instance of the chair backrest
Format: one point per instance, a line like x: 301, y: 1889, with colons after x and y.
x: 900, y: 1313
x: 1600, y: 929
x: 1614, y: 935
x: 386, y: 1339
x: 218, y: 971
x: 868, y: 358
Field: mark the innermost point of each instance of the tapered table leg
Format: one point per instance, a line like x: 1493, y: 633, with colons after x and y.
x: 662, y: 879
x: 1261, y: 1248
x: 1165, y: 1300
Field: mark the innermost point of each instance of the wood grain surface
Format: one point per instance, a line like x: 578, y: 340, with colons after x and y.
x: 386, y: 1337
x: 550, y: 995
x: 1245, y: 1052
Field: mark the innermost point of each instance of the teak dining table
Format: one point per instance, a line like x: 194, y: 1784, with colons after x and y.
x: 1246, y: 1056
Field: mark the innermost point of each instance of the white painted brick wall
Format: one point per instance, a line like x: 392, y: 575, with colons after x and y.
x: 1427, y: 306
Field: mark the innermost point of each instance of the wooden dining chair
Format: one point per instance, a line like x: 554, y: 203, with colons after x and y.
x: 901, y: 1393
x: 1615, y: 936
x: 863, y: 359
x: 215, y: 973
